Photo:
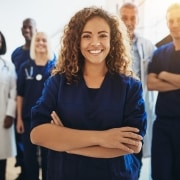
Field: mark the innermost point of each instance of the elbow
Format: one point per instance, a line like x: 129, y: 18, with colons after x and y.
x: 150, y: 87
x: 152, y: 80
x: 34, y: 137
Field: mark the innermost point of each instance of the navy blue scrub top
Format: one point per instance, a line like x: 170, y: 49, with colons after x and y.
x: 30, y: 83
x: 118, y: 102
x: 19, y: 56
x: 165, y: 58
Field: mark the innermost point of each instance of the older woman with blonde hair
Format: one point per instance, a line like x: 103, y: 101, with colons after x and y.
x: 33, y: 73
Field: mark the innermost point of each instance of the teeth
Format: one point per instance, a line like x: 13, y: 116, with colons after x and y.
x: 95, y: 51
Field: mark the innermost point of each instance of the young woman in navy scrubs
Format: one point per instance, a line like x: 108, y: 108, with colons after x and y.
x: 31, y: 77
x: 99, y: 103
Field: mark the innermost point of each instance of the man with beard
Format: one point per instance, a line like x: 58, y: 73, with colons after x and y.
x: 141, y: 50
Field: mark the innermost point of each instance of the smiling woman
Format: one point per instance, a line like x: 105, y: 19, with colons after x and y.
x: 88, y: 115
x: 31, y: 77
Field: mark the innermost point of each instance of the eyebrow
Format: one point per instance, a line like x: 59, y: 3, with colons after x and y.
x: 98, y: 32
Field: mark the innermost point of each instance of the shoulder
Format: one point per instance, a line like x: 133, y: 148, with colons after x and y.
x: 129, y: 81
x: 55, y: 80
x: 9, y: 64
x: 17, y: 51
x: 164, y: 49
x: 20, y: 54
x: 132, y: 86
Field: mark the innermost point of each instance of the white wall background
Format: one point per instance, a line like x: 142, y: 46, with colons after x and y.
x: 52, y: 15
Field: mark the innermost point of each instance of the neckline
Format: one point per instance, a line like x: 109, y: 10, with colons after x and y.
x: 102, y: 83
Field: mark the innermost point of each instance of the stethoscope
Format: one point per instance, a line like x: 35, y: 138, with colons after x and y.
x: 29, y: 75
x: 4, y: 64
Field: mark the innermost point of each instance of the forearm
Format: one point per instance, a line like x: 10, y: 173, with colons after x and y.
x: 170, y: 78
x: 99, y: 152
x: 19, y: 107
x: 157, y: 84
x: 60, y: 138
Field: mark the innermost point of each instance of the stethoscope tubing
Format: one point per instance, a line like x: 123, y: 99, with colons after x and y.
x: 4, y: 64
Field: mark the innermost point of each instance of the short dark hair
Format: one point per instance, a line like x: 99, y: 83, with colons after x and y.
x: 129, y: 6
x: 3, y: 42
x: 33, y: 21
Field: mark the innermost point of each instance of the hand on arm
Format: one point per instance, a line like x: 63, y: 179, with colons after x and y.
x: 108, y: 152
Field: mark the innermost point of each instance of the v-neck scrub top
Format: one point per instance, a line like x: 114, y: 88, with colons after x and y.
x: 30, y: 83
x: 117, y: 103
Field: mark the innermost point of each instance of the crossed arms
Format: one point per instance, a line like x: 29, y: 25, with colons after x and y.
x: 100, y: 144
x: 164, y: 81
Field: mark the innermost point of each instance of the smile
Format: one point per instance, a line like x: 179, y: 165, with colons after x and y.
x: 95, y: 51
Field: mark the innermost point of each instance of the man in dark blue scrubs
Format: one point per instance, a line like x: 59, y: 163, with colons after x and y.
x: 164, y: 76
x: 19, y: 56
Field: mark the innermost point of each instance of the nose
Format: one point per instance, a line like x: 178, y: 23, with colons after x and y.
x: 127, y: 22
x: 176, y: 24
x: 95, y: 41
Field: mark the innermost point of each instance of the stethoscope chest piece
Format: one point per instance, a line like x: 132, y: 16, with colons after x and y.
x: 38, y: 77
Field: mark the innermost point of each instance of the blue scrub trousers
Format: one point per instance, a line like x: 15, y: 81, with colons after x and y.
x: 165, y: 157
x: 31, y: 162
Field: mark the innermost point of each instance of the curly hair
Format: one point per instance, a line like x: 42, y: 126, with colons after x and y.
x: 71, y: 61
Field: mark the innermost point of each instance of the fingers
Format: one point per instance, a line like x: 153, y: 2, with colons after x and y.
x: 131, y: 138
x: 55, y: 119
x: 20, y: 130
x: 135, y: 149
x: 129, y: 129
x: 122, y: 138
x: 130, y: 141
x: 132, y: 135
x: 125, y: 147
